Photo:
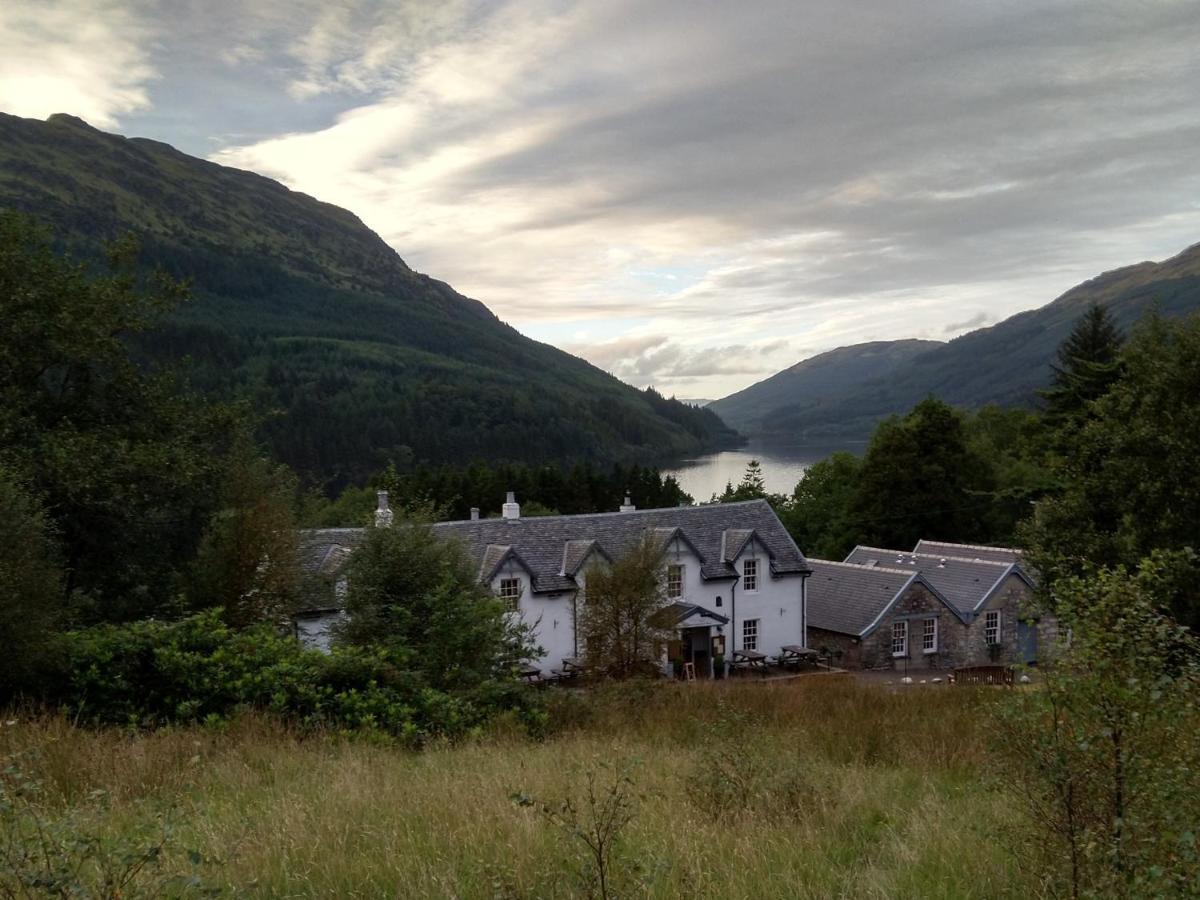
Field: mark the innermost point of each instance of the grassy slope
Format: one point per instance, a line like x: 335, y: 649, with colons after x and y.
x: 352, y: 338
x: 861, y: 793
x: 1005, y: 363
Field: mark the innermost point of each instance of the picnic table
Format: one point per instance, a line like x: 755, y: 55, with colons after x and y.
x: 530, y: 672
x: 574, y: 667
x: 749, y: 661
x: 795, y: 655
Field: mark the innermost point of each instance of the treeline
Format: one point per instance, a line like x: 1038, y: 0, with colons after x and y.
x: 1104, y: 474
x: 148, y: 546
x: 452, y: 491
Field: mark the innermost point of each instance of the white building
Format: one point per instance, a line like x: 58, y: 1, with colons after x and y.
x: 734, y: 577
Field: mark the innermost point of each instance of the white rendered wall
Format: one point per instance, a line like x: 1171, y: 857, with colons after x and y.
x: 777, y: 604
x: 549, y: 615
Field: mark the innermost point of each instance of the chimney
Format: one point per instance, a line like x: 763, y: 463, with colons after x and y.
x: 474, y: 513
x: 383, y: 513
x: 627, y: 506
x: 511, y: 509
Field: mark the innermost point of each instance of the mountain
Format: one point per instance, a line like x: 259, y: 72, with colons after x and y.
x: 298, y: 305
x: 1004, y: 364
x: 815, y: 382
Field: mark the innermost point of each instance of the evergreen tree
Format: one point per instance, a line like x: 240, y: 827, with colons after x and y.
x: 1088, y: 362
x: 920, y: 479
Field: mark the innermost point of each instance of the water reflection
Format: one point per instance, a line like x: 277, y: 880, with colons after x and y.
x: 782, y: 465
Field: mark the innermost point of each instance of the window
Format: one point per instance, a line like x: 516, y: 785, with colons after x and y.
x: 991, y: 627
x: 750, y: 576
x: 929, y: 636
x: 900, y: 639
x: 750, y: 634
x: 674, y: 582
x: 510, y: 591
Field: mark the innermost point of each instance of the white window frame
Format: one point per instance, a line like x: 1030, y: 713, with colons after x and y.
x: 511, y: 594
x: 992, y: 631
x: 750, y: 634
x: 900, y: 638
x: 675, y: 588
x: 929, y: 636
x: 750, y: 576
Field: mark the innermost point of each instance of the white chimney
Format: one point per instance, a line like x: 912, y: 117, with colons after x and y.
x: 627, y: 506
x: 383, y: 513
x: 474, y: 513
x: 511, y: 509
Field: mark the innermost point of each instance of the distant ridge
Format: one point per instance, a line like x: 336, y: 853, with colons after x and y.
x: 357, y: 359
x: 1004, y: 364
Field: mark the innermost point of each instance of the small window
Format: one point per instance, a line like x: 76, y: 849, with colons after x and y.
x: 929, y: 636
x: 750, y: 634
x: 750, y: 576
x: 510, y: 591
x: 991, y: 627
x: 900, y: 639
x: 674, y: 582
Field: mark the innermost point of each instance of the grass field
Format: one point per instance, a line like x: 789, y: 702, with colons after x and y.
x: 816, y: 788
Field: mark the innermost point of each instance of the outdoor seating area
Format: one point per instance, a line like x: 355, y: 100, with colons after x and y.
x: 791, y: 658
x: 995, y: 675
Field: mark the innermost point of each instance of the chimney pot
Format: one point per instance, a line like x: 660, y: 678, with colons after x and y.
x: 383, y: 512
x: 511, y: 509
x: 627, y: 506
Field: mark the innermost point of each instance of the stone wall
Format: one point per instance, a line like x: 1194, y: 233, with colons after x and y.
x: 1014, y: 600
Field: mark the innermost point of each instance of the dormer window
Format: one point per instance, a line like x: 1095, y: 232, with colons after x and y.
x: 510, y: 592
x: 750, y: 575
x: 674, y: 582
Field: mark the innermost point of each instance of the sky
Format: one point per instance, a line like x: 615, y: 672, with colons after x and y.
x: 689, y: 194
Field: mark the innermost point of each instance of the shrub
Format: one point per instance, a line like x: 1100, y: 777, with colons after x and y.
x: 200, y: 669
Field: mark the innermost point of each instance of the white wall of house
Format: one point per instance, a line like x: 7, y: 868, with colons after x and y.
x: 777, y: 606
x: 549, y: 615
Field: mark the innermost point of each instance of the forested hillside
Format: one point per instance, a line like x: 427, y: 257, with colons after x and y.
x: 1004, y: 364
x: 817, y: 381
x: 353, y: 358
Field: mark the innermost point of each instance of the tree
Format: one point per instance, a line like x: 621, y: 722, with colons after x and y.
x: 616, y: 617
x: 1130, y: 482
x: 247, y: 563
x: 124, y: 460
x: 1104, y: 753
x: 818, y: 513
x: 751, y: 487
x: 31, y: 597
x: 419, y: 597
x: 920, y: 479
x: 1088, y: 362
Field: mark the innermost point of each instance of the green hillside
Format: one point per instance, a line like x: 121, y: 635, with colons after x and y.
x: 815, y: 382
x: 298, y: 305
x: 1005, y: 364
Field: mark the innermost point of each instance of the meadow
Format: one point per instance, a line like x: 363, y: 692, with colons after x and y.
x: 821, y: 787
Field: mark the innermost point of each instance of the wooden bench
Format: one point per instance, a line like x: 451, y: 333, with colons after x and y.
x: 1000, y: 675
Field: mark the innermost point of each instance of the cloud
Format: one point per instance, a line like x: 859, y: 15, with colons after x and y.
x: 90, y: 59
x: 819, y: 173
x: 976, y: 321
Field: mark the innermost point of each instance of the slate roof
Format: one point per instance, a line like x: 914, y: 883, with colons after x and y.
x: 848, y: 598
x: 549, y: 545
x: 323, y: 551
x: 966, y: 583
x: 968, y: 551
x: 674, y: 613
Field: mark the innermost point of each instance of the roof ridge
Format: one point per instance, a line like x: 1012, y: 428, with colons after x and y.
x: 968, y: 546
x: 612, y: 513
x: 863, y: 566
x: 976, y: 559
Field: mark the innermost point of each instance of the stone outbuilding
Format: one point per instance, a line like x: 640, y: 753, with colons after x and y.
x: 889, y: 621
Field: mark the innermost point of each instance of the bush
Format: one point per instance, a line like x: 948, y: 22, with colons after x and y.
x: 199, y: 669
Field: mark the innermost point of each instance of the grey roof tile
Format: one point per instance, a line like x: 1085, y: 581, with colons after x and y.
x: 542, y: 542
x: 848, y: 598
x: 964, y: 582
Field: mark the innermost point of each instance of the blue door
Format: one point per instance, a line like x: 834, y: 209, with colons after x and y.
x: 1027, y: 641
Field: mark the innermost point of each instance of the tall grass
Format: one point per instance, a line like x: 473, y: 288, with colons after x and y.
x: 856, y: 792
